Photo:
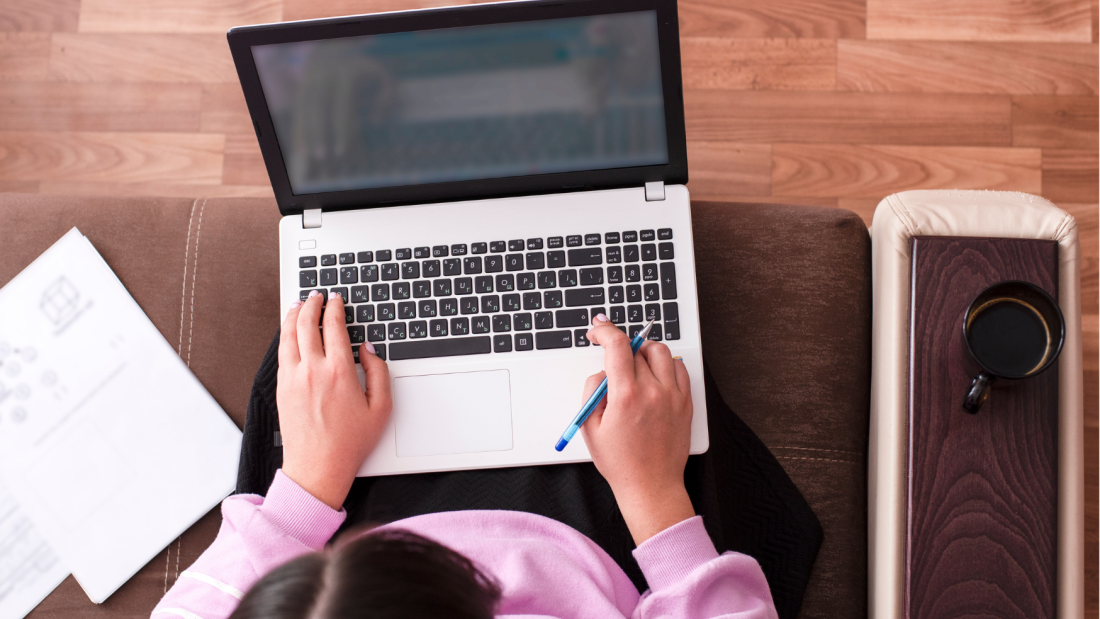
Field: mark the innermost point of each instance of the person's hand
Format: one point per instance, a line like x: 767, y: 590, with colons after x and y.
x: 640, y: 435
x: 328, y: 424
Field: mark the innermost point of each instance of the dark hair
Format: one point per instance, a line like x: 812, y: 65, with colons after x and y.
x: 385, y: 575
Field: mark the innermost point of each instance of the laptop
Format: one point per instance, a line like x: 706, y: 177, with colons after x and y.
x: 477, y: 183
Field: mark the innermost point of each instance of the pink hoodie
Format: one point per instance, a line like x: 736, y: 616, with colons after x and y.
x: 545, y: 568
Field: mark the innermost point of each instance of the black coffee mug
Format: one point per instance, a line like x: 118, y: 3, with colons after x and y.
x: 1012, y: 330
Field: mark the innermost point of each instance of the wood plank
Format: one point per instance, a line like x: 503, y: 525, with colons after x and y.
x: 864, y: 207
x: 946, y: 66
x: 224, y: 110
x: 309, y: 9
x: 1053, y: 121
x: 1088, y: 235
x: 980, y: 20
x: 721, y: 169
x: 157, y: 189
x: 823, y: 117
x: 851, y: 171
x: 758, y: 64
x: 180, y: 58
x: 115, y: 157
x: 751, y: 199
x: 244, y: 164
x: 213, y: 16
x: 39, y: 15
x: 24, y: 55
x: 1070, y: 175
x: 57, y: 106
x: 824, y: 19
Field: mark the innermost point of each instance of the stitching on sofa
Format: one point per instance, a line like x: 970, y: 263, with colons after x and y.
x: 835, y: 451
x: 194, y: 278
x: 183, y: 289
x: 818, y: 459
x: 904, y: 215
x: 1065, y: 227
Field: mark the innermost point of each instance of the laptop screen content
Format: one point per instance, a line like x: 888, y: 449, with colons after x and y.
x: 458, y: 104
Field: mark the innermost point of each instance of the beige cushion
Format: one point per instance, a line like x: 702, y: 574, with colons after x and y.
x: 962, y: 213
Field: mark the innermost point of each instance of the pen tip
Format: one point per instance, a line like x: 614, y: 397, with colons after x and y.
x: 561, y: 444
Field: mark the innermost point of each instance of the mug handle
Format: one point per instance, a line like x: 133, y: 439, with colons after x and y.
x: 979, y: 391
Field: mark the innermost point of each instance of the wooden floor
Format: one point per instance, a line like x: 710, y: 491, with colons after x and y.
x: 831, y: 102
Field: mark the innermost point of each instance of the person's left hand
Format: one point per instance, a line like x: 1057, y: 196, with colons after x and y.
x: 328, y: 424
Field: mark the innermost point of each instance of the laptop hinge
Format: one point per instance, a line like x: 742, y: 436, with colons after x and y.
x: 311, y: 218
x: 655, y: 191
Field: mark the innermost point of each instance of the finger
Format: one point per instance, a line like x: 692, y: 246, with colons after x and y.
x: 337, y: 341
x: 288, y: 337
x: 683, y: 381
x: 379, y: 394
x: 617, y: 357
x: 590, y: 386
x: 660, y: 361
x: 309, y: 336
x: 643, y: 373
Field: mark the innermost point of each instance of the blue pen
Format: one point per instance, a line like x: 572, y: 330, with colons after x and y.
x: 598, y: 395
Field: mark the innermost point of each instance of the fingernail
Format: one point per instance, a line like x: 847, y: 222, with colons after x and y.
x: 313, y: 293
x: 296, y: 304
x: 601, y: 317
x: 370, y: 348
x: 332, y: 295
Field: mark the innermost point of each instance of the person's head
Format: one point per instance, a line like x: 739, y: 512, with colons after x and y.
x: 381, y: 575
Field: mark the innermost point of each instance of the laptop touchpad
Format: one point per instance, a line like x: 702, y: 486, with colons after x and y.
x: 464, y: 412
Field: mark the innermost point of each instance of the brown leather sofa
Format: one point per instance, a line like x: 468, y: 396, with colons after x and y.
x: 785, y: 293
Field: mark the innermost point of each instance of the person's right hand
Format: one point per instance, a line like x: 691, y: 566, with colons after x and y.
x: 639, y: 437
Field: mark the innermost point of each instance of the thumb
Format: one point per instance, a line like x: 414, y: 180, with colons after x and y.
x: 590, y: 386
x: 378, y: 378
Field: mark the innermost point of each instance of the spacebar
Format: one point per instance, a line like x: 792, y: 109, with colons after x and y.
x: 441, y: 348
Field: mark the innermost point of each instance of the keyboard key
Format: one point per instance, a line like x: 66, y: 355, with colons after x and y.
x: 524, y: 341
x: 611, y: 237
x: 647, y: 235
x: 438, y: 328
x: 502, y: 323
x: 513, y: 262
x: 391, y: 271
x: 665, y: 252
x: 633, y: 273
x: 329, y: 277
x: 400, y: 290
x: 630, y: 237
x: 410, y: 270
x: 547, y: 279
x: 403, y: 254
x: 368, y: 273
x: 525, y: 281
x: 357, y: 335
x: 364, y: 313
x: 592, y: 277
x: 618, y: 314
x: 430, y: 268
x: 583, y: 297
x: 422, y: 252
x: 426, y: 349
x: 464, y: 285
x: 366, y: 256
x: 349, y: 314
x: 634, y: 313
x: 307, y: 279
x: 580, y: 338
x: 380, y: 292
x: 555, y: 259
x: 567, y: 278
x: 614, y: 275
x: 536, y: 260
x: 452, y: 267
x: 571, y: 318
x: 573, y: 240
x: 630, y: 253
x: 516, y: 245
x: 380, y: 350
x: 498, y: 247
x: 483, y: 284
x: 472, y: 265
x: 440, y: 251
x: 652, y: 311
x: 468, y: 305
x: 502, y: 343
x: 387, y: 311
x: 615, y: 294
x: 655, y: 333
x: 510, y: 302
x: 458, y: 250
x: 427, y: 309
x: 360, y: 294
x: 551, y: 299
x: 664, y: 234
x: 649, y: 252
x: 532, y: 301
x: 478, y: 248
x: 347, y: 258
x: 534, y: 244
x: 585, y: 257
x: 592, y: 239
x: 406, y: 310
x: 614, y: 254
x: 396, y: 331
x: 634, y: 294
x: 668, y: 280
x: 649, y: 272
x: 480, y: 324
x: 328, y: 260
x: 554, y: 242
x: 490, y: 304
x: 448, y: 307
x: 546, y: 340
x: 441, y: 288
x: 522, y: 322
x: 349, y: 275
x: 383, y: 255
x: 460, y: 326
x: 544, y: 320
x: 506, y: 282
x: 306, y: 262
x: 342, y: 291
x: 418, y: 329
x: 376, y: 333
x: 494, y: 264
x: 652, y: 292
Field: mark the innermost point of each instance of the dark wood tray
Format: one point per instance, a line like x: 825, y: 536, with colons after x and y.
x: 982, y: 499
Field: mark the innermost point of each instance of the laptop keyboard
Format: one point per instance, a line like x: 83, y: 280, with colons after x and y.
x: 501, y: 296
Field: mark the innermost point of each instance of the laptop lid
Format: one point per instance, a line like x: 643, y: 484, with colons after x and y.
x: 512, y: 98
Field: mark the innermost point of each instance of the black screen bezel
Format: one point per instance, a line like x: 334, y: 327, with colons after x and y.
x: 242, y: 39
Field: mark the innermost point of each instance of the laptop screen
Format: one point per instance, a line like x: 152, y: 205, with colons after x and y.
x: 467, y: 103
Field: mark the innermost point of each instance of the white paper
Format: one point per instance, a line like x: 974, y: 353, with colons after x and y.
x: 29, y: 568
x: 107, y: 440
